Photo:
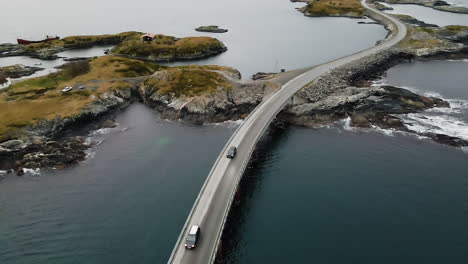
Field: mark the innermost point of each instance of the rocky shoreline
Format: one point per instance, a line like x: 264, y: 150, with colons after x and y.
x: 48, y: 51
x: 434, y: 4
x: 348, y: 92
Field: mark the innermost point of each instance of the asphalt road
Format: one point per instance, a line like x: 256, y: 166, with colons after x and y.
x: 214, y: 200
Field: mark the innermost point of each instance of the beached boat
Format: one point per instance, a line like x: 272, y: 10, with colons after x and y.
x: 26, y: 42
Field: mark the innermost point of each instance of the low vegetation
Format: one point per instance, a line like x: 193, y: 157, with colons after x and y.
x: 348, y: 8
x: 190, y: 80
x: 169, y: 48
x: 82, y: 41
x: 35, y: 99
x: 432, y: 38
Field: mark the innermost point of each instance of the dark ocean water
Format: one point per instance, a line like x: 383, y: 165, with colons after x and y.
x: 334, y: 196
x: 124, y: 205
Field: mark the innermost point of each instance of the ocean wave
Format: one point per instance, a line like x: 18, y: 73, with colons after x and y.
x: 439, y: 124
x: 464, y: 60
x: 346, y: 124
x: 457, y: 106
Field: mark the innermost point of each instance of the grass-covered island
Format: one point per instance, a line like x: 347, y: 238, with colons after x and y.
x: 130, y: 44
x: 168, y: 48
x: 336, y: 8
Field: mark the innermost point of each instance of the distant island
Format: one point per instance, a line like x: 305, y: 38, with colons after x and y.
x: 211, y: 29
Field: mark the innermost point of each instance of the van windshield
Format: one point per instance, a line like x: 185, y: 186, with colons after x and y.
x: 191, y: 238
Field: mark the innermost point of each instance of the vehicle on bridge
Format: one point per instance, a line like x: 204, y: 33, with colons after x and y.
x: 231, y: 152
x: 192, y: 237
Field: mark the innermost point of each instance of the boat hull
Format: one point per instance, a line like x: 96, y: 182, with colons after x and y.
x: 27, y: 42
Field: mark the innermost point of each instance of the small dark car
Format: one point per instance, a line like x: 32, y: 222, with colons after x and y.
x: 231, y: 153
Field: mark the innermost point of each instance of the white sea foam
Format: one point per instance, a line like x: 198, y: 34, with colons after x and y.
x: 346, y: 124
x: 33, y: 172
x: 440, y: 124
x: 101, y: 131
x: 388, y: 132
x: 464, y: 60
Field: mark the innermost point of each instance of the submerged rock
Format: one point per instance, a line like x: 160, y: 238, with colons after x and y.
x: 109, y: 124
x: 19, y: 70
x: 263, y: 75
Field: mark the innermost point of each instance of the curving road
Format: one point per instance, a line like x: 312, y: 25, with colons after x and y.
x: 214, y: 200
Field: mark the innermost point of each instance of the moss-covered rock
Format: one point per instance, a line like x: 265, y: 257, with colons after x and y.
x: 336, y: 8
x: 19, y: 70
